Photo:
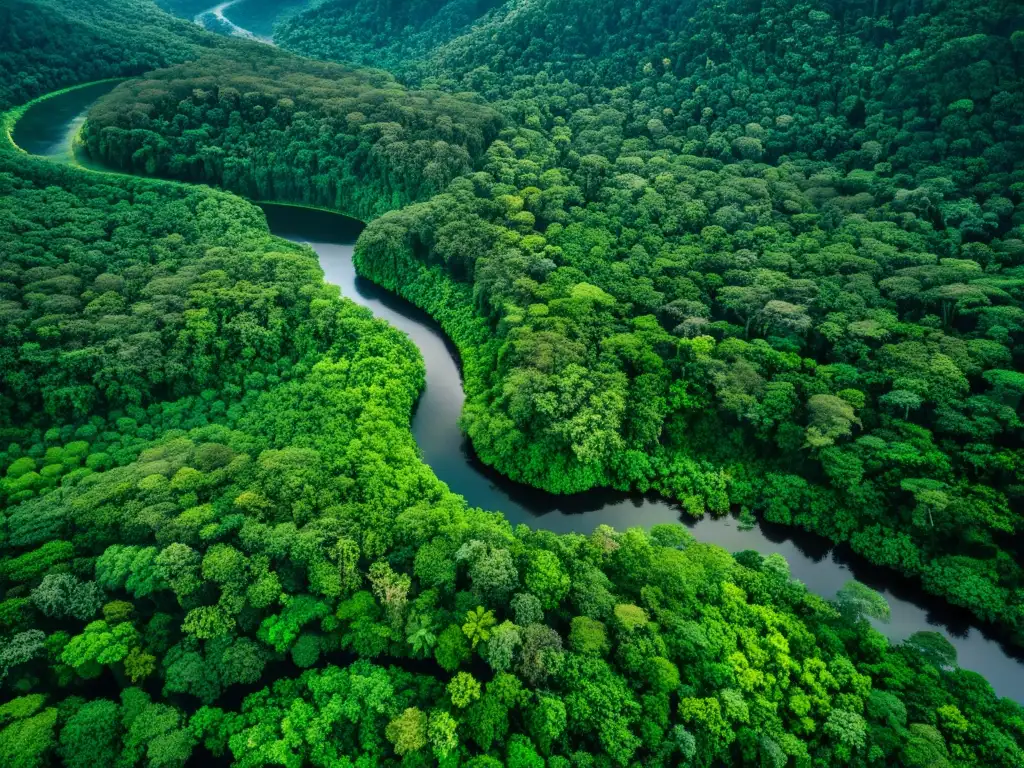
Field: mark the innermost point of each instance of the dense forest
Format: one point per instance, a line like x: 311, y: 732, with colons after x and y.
x: 220, y: 541
x: 51, y: 44
x: 379, y: 34
x: 743, y: 285
x: 749, y: 255
x: 272, y: 126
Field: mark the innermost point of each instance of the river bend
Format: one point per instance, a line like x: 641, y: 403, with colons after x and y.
x: 227, y: 26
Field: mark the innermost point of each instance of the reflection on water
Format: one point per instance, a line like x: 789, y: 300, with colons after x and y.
x: 49, y: 128
x: 814, y: 560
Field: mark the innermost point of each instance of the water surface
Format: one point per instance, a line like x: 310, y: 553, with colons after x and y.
x: 222, y: 24
x: 49, y: 128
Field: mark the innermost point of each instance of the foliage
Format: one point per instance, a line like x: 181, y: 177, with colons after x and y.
x: 50, y: 44
x: 210, y: 449
x: 736, y: 274
x: 352, y: 140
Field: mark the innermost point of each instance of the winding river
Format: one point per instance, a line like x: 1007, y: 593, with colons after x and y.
x: 229, y: 27
x: 48, y: 129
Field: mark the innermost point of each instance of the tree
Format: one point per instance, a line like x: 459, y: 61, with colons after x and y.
x: 502, y: 646
x: 452, y: 648
x: 442, y: 733
x: 155, y: 731
x: 60, y: 595
x: 829, y: 418
x: 546, y: 579
x: 848, y: 730
x: 306, y: 650
x: 99, y: 645
x: 224, y: 565
x: 92, y: 735
x: 478, y: 625
x: 663, y: 675
x: 130, y: 567
x: 705, y: 721
x: 857, y: 601
x: 434, y: 565
x: 420, y: 634
x: 21, y: 649
x: 118, y: 611
x: 27, y: 735
x: 925, y: 747
x: 282, y: 630
x: 208, y: 622
x: 408, y: 731
x: 242, y: 661
x: 588, y: 636
x: 392, y: 589
x: 931, y: 497
x: 784, y: 316
x: 464, y: 689
x: 179, y: 566
x: 1007, y: 386
x: 138, y: 665
x: 494, y: 576
x: 365, y: 632
x: 541, y: 654
x: 902, y: 399
x: 546, y: 722
x: 746, y: 302
x: 527, y: 609
x: 630, y: 617
x: 933, y: 648
x: 186, y: 670
x: 522, y: 754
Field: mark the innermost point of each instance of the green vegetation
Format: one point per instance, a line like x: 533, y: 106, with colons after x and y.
x: 375, y: 33
x: 272, y: 126
x: 49, y: 44
x: 248, y: 498
x: 711, y: 262
x: 218, y: 540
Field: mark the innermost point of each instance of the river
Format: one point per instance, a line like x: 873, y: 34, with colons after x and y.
x: 48, y: 129
x: 227, y: 26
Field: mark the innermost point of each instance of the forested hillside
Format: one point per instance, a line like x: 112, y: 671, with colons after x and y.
x: 272, y: 126
x: 376, y: 33
x: 50, y: 44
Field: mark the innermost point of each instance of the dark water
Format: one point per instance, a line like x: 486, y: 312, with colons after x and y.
x: 812, y: 559
x: 49, y: 128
